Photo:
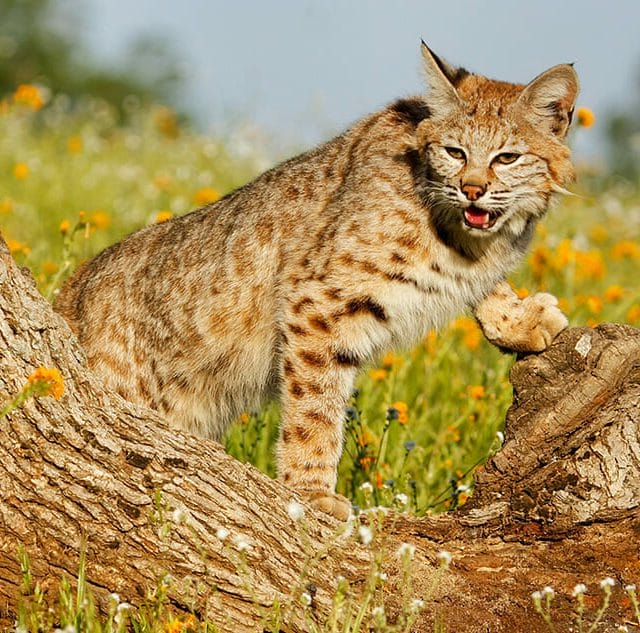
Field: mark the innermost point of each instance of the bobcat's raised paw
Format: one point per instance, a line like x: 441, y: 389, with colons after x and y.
x: 520, y: 325
x: 329, y: 502
x: 544, y: 321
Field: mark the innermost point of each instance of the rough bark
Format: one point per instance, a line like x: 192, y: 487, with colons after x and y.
x: 556, y: 506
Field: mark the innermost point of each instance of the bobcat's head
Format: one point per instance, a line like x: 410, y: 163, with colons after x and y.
x: 494, y: 151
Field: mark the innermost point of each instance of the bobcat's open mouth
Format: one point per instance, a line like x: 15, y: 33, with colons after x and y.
x: 477, y: 218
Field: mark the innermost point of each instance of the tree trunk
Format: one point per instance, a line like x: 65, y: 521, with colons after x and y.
x: 558, y: 505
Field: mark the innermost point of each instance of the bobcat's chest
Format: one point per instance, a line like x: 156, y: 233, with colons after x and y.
x: 435, y: 294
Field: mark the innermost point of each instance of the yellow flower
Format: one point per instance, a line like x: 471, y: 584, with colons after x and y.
x: 65, y: 225
x: 589, y: 265
x: 454, y: 432
x: 74, y: 144
x: 100, y: 219
x: 173, y: 626
x: 585, y: 117
x: 377, y: 374
x: 166, y: 122
x: 522, y: 293
x: 390, y: 359
x: 29, y: 95
x: 206, y: 196
x: 614, y: 293
x: 16, y: 247
x: 367, y: 437
x: 564, y: 254
x: 598, y: 233
x: 403, y: 411
x: 633, y: 315
x: 625, y: 249
x: 430, y: 341
x: 595, y: 304
x: 6, y: 205
x: 163, y: 181
x: 163, y: 216
x: 48, y: 380
x: 476, y: 392
x: 49, y: 268
x: 244, y: 418
x: 539, y: 260
x: 21, y: 171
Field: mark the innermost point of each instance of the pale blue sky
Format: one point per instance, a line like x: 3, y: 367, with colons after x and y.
x: 304, y: 69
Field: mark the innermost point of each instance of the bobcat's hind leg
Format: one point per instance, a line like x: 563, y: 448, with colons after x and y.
x: 520, y: 325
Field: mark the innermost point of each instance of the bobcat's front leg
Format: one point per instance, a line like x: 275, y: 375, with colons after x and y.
x: 317, y: 383
x: 521, y: 325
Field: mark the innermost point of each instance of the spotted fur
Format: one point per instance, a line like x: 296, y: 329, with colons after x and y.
x: 287, y: 286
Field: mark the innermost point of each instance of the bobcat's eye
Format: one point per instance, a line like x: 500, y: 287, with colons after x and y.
x: 455, y: 152
x: 506, y: 158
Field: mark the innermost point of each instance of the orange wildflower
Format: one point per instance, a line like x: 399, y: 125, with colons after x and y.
x: 633, y: 315
x: 206, y: 196
x: 21, y: 171
x: 65, y: 225
x: 589, y: 265
x: 625, y: 249
x: 100, y: 219
x: 48, y: 381
x: 585, y: 117
x: 29, y: 95
x: 377, y: 375
x: 614, y: 293
x: 74, y: 144
x: 476, y: 392
x: 163, y: 216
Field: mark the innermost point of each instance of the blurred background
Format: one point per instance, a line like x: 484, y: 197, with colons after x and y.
x: 301, y: 70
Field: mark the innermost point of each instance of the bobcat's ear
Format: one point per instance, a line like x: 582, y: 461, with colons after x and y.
x: 443, y: 97
x: 549, y: 99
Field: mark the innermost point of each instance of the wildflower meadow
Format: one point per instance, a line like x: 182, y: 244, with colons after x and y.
x: 75, y: 178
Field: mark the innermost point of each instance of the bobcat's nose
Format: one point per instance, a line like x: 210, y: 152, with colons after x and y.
x: 473, y: 192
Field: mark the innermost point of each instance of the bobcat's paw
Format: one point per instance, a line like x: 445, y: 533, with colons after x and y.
x: 542, y: 322
x: 329, y: 502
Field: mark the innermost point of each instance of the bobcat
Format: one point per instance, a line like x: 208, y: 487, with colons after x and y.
x: 285, y: 287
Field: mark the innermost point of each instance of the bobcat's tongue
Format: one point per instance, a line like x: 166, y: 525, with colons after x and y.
x: 478, y: 218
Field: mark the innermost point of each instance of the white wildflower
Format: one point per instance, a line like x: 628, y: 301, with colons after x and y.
x: 548, y: 591
x: 378, y: 614
x: 417, y: 604
x: 381, y: 576
x: 607, y: 582
x: 579, y: 589
x: 500, y: 436
x: 222, y: 533
x: 295, y: 510
x: 629, y: 588
x: 406, y: 550
x: 444, y: 558
x: 401, y: 499
x: 365, y: 535
x: 306, y: 599
x: 536, y: 596
x: 180, y: 516
x: 241, y: 542
x: 123, y: 606
x: 115, y: 597
x: 366, y: 487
